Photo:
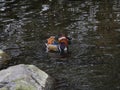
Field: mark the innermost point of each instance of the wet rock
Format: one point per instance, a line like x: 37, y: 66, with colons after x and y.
x: 25, y: 77
x: 4, y: 58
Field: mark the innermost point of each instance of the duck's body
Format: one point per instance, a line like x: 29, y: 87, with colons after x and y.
x: 51, y: 47
x: 54, y: 48
x: 59, y: 44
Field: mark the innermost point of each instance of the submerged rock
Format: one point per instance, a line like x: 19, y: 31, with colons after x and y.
x: 4, y: 57
x: 25, y: 77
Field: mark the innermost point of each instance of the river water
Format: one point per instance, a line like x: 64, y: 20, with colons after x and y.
x: 94, y: 62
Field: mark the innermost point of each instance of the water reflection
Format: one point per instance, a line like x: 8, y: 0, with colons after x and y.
x: 93, y: 26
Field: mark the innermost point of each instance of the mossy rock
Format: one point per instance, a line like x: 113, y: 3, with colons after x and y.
x: 4, y: 57
x: 25, y: 77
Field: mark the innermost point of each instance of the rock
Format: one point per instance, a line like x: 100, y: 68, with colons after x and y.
x: 4, y: 57
x: 25, y: 77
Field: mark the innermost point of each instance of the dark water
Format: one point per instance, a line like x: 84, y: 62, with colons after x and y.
x: 94, y: 63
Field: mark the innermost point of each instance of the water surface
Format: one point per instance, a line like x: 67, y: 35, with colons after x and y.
x: 95, y: 30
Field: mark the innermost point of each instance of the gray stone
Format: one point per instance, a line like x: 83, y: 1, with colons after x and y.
x: 25, y: 77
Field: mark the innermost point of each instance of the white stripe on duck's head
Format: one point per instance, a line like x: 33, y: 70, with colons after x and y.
x: 62, y: 38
